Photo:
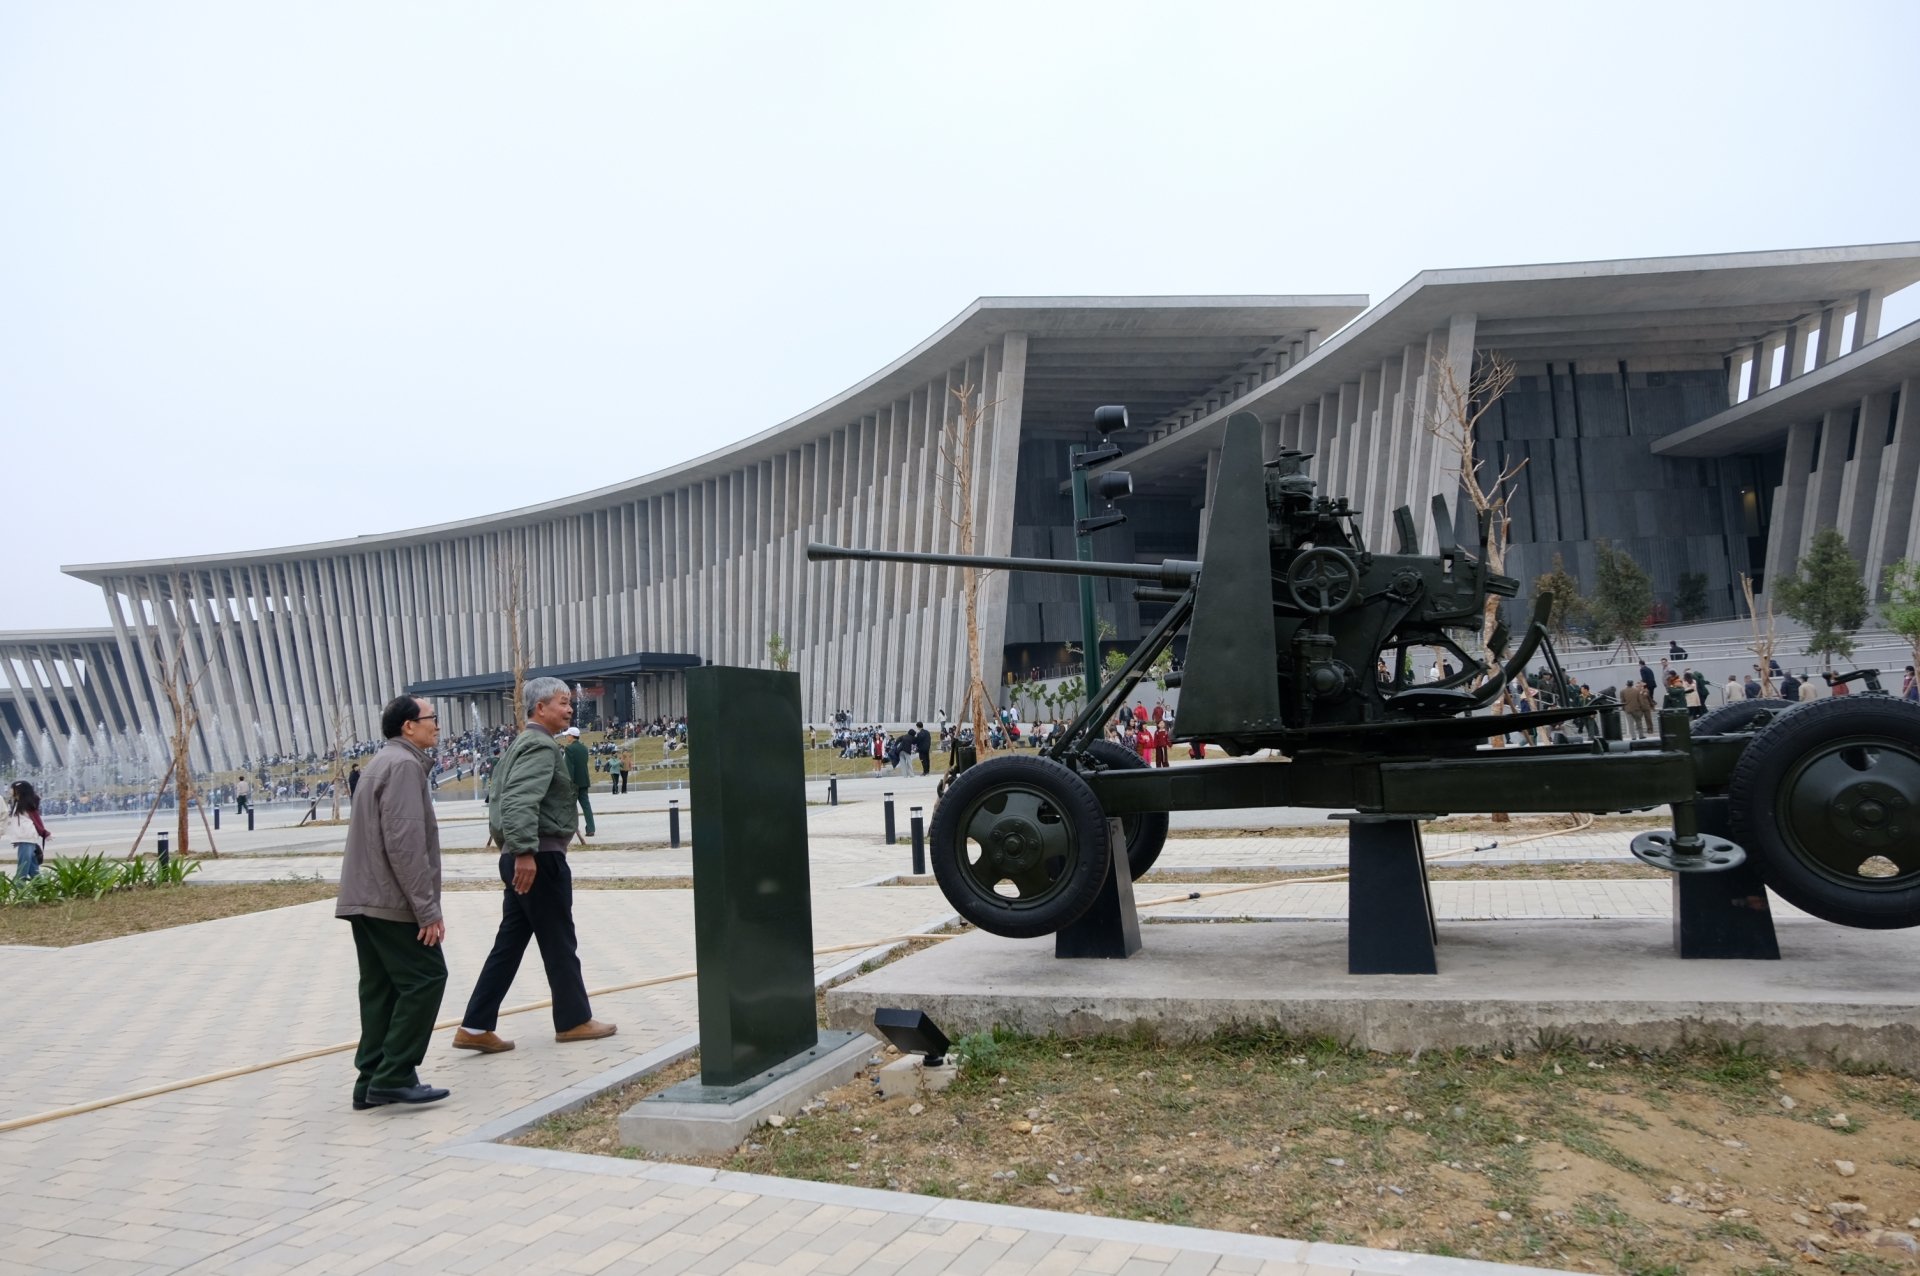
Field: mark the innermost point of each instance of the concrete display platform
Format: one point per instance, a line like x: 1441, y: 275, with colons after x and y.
x: 1836, y: 993
x: 692, y: 1119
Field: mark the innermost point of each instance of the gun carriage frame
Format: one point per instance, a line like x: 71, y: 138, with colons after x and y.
x: 1290, y: 617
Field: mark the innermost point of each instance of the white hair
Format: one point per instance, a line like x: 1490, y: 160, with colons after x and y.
x: 540, y: 690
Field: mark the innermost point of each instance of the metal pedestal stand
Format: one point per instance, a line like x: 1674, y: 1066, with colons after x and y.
x: 1390, y: 927
x: 1111, y: 928
x: 1722, y: 915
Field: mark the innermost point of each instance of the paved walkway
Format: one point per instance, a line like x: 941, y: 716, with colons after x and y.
x: 271, y: 1172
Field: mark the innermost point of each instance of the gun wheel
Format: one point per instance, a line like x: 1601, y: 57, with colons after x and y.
x: 1146, y: 832
x: 1827, y: 801
x: 1019, y: 846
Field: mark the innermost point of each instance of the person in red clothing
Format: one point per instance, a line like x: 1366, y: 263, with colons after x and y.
x: 24, y: 828
x: 1143, y: 744
x: 1159, y: 711
x: 1162, y: 741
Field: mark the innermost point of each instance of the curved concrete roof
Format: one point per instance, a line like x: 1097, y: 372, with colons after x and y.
x: 1763, y: 421
x: 1111, y: 321
x: 1708, y: 304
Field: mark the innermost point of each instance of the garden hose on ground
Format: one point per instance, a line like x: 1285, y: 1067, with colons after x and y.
x: 339, y: 1047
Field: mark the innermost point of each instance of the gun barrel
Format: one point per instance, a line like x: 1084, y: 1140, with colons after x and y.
x: 1171, y: 573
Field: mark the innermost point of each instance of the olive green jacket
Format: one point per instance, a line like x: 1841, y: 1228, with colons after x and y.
x: 533, y: 806
x: 579, y: 769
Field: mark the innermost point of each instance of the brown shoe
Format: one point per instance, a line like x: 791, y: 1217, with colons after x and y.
x: 484, y: 1042
x: 591, y: 1030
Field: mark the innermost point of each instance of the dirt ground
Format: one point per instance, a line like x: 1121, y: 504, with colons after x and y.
x: 1714, y: 1160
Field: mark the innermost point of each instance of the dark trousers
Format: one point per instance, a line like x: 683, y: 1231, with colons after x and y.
x: 401, y: 982
x: 586, y: 807
x: 544, y: 913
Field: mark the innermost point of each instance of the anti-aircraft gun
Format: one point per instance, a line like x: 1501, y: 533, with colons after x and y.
x: 1300, y: 640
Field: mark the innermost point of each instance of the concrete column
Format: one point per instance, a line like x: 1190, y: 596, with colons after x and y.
x: 213, y: 693
x: 1290, y: 430
x: 1866, y: 317
x: 1402, y: 437
x: 1795, y: 339
x: 1790, y: 503
x: 131, y: 638
x: 1435, y: 459
x: 1757, y: 371
x: 1832, y: 323
x: 1823, y: 489
x: 1333, y: 425
x: 997, y: 474
x: 1860, y: 485
x: 1376, y: 410
x: 1737, y: 372
x: 58, y: 747
x: 1896, y: 532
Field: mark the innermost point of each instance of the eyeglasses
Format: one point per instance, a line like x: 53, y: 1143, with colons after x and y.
x: 428, y: 717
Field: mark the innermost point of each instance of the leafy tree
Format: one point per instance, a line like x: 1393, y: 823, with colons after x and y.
x: 1901, y: 610
x: 779, y: 653
x: 1690, y: 599
x: 1622, y: 598
x: 1569, y: 603
x: 1827, y: 595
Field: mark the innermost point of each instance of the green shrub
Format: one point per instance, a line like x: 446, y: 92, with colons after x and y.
x: 174, y: 872
x: 87, y: 877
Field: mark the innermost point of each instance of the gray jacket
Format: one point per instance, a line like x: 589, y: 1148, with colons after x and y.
x: 392, y: 865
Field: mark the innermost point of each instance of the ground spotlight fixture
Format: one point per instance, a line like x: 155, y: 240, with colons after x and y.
x: 912, y: 1032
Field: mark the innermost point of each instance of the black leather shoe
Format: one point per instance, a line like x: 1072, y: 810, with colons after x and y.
x: 406, y: 1094
x: 360, y: 1103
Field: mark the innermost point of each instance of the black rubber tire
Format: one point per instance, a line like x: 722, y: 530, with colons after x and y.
x: 1059, y: 843
x: 1737, y: 716
x: 1146, y: 833
x: 1859, y: 749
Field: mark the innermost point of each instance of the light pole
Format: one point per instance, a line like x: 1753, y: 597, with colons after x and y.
x: 1109, y: 487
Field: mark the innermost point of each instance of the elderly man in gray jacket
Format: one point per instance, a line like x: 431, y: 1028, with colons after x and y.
x: 390, y: 895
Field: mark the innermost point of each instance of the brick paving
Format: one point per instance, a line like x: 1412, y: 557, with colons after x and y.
x: 270, y: 1172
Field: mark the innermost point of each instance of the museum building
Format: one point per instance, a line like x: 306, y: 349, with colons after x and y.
x: 1705, y: 414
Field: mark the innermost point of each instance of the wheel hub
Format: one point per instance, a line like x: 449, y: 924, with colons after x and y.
x: 1869, y: 814
x: 1014, y: 846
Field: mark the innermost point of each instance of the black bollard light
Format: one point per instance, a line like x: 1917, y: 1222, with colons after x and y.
x: 889, y: 816
x: 919, y: 829
x: 216, y: 817
x: 833, y: 790
x: 163, y: 850
x: 249, y: 817
x: 673, y: 823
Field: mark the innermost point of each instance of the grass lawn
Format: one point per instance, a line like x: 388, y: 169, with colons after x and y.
x: 132, y: 912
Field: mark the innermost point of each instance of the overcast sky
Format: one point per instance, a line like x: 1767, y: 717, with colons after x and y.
x: 274, y: 273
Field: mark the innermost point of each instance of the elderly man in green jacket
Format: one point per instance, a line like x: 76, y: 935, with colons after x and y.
x: 533, y: 820
x: 580, y: 771
x: 390, y: 895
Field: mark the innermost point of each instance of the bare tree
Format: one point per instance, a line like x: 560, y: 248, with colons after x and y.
x: 337, y: 771
x: 1762, y: 642
x: 177, y: 687
x: 1455, y: 426
x: 513, y: 590
x: 1455, y: 423
x: 959, y: 443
